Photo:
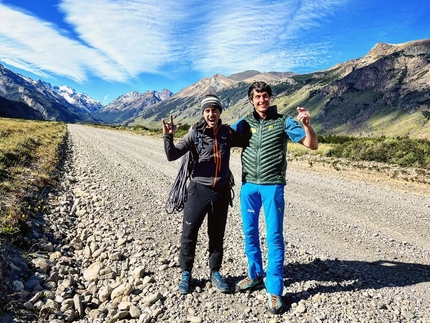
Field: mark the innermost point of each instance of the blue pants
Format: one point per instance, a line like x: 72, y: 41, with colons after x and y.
x: 271, y: 197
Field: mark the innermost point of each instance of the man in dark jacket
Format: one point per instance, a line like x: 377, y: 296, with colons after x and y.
x: 209, y: 189
x: 263, y: 179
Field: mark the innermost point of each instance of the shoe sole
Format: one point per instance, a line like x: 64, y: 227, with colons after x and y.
x: 276, y: 311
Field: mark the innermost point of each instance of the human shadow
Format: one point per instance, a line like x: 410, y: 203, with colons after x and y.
x: 330, y: 276
x: 327, y: 276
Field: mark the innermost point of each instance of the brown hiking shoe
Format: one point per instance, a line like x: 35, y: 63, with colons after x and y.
x: 275, y: 304
x: 249, y: 284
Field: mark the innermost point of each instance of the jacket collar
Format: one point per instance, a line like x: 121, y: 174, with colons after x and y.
x: 271, y: 113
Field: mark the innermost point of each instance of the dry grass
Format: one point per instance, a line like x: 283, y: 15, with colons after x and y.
x: 29, y: 155
x: 28, y: 160
x: 300, y: 150
x: 406, y: 179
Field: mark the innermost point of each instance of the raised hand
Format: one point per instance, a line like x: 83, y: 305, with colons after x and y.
x: 169, y: 128
x: 304, y: 116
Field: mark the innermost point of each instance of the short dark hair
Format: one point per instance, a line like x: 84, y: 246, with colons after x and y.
x: 259, y: 86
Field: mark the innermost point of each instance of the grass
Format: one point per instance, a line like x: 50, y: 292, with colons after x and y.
x: 28, y: 162
x: 300, y: 150
x: 29, y: 156
x: 139, y: 129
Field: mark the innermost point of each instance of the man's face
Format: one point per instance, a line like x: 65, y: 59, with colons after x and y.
x: 261, y: 102
x: 211, y: 116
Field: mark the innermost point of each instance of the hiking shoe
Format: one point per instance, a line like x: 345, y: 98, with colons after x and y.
x: 185, y: 284
x: 219, y: 283
x: 249, y: 283
x: 275, y: 304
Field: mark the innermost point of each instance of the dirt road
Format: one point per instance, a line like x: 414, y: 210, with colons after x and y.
x: 357, y: 245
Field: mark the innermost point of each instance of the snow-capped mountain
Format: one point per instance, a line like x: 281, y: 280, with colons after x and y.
x: 42, y: 100
x: 81, y: 100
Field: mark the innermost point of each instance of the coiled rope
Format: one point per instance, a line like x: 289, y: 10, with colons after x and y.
x: 178, y: 193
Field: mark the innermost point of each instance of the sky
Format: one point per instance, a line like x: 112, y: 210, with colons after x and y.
x: 107, y: 48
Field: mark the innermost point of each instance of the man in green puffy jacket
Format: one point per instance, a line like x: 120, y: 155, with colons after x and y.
x: 263, y: 179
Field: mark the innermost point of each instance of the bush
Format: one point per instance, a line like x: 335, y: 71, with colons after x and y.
x: 334, y: 139
x: 401, y: 151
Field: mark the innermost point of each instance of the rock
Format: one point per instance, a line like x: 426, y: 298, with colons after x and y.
x: 91, y: 273
x: 121, y: 290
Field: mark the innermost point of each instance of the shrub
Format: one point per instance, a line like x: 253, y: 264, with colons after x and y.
x: 401, y: 151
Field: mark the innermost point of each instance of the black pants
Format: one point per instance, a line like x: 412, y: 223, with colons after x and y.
x: 204, y: 200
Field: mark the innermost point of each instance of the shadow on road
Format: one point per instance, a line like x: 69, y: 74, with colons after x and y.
x: 340, y: 275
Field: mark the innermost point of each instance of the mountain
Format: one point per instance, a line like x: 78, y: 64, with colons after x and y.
x: 386, y: 92
x: 16, y: 109
x: 80, y: 100
x: 47, y: 102
x: 238, y: 77
x: 185, y: 105
x: 129, y: 105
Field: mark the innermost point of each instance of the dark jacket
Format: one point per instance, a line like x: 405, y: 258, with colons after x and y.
x: 212, y: 162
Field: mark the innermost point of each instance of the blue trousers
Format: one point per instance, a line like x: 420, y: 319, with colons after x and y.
x: 271, y: 197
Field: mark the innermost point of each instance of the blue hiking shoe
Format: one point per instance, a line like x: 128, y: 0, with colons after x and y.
x: 250, y: 284
x: 185, y: 284
x: 275, y: 304
x: 219, y: 283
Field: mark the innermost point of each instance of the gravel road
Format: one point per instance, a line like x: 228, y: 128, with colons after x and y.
x: 356, y: 252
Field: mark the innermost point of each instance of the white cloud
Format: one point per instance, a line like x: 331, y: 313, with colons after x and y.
x: 134, y: 34
x: 118, y: 40
x: 28, y: 41
x: 260, y: 35
x: 24, y: 66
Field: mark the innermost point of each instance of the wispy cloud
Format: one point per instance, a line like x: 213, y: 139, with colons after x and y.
x: 26, y: 41
x: 134, y: 34
x: 262, y: 36
x: 118, y: 40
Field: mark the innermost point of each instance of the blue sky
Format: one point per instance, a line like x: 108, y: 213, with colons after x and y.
x: 107, y: 48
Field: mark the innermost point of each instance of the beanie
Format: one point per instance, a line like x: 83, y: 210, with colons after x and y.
x: 211, y: 100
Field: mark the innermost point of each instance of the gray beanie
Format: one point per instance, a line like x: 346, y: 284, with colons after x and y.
x: 211, y: 100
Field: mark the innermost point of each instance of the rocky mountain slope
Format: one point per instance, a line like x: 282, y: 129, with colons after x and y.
x: 386, y: 92
x: 29, y: 99
x: 129, y: 105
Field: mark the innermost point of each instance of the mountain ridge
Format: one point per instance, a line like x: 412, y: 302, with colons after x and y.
x: 385, y: 92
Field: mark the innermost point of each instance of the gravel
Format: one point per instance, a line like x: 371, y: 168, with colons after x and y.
x: 107, y: 251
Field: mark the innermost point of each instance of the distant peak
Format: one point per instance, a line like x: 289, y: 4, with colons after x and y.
x: 383, y: 49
